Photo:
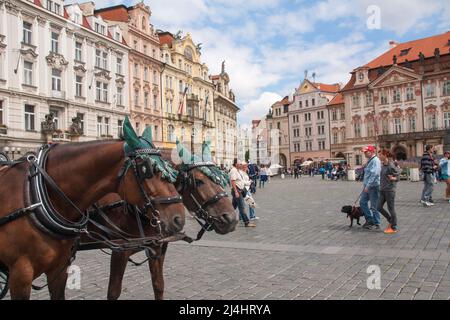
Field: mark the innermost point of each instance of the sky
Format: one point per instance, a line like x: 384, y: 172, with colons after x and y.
x: 268, y: 44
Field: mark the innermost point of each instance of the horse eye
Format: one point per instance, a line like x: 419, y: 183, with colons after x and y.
x: 198, y: 182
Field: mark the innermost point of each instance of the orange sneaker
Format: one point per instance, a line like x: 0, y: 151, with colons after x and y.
x: 389, y: 230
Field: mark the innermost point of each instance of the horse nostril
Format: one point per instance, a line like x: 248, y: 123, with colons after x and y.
x: 228, y: 217
x: 178, y: 222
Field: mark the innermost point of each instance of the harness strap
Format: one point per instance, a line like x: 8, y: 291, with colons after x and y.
x: 12, y: 163
x: 18, y: 214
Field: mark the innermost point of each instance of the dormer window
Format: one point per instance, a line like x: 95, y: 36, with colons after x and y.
x: 361, y: 76
x: 77, y: 18
x: 404, y: 52
x: 117, y: 36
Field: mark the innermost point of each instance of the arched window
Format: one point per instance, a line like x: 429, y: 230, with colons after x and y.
x: 144, y: 23
x: 171, y: 133
x: 188, y: 53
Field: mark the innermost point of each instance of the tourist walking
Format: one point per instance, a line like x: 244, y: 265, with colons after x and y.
x: 238, y: 191
x: 370, y: 192
x: 388, y: 184
x: 428, y: 168
x: 262, y: 176
x: 248, y: 186
x: 444, y: 164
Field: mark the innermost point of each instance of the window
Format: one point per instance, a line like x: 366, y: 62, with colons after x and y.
x: 155, y: 102
x: 357, y: 130
x: 119, y: 65
x: 98, y: 58
x: 342, y: 114
x: 307, y: 117
x: 334, y: 115
x: 313, y: 102
x: 99, y: 126
x: 27, y: 32
x: 78, y: 86
x: 135, y: 45
x: 322, y: 145
x: 145, y: 73
x: 335, y: 138
x: 306, y: 103
x: 55, y: 114
x: 77, y: 18
x: 49, y: 5
x: 155, y: 77
x: 308, y: 131
x: 78, y: 51
x: 369, y: 99
x: 81, y: 117
x: 409, y: 93
x: 447, y: 120
x: 170, y: 133
x: 180, y: 86
x: 358, y: 160
x: 355, y: 100
x: 446, y: 88
x: 138, y: 129
x: 385, y: 126
x: 119, y: 128
x: 321, y: 130
x: 119, y: 97
x: 146, y: 99
x: 1, y: 112
x: 29, y: 117
x: 101, y: 91
x: 145, y: 49
x: 383, y: 98
x: 429, y: 90
x: 156, y: 133
x: 278, y: 125
x: 105, y: 60
x: 136, y: 97
x: 300, y: 103
x: 370, y: 128
x: 136, y: 70
x: 396, y: 95
x: 432, y: 122
x: 320, y: 115
x: 106, y: 126
x: 57, y: 9
x: 28, y: 73
x: 398, y: 125
x: 117, y: 36
x: 55, y: 42
x: 412, y: 124
x: 56, y: 80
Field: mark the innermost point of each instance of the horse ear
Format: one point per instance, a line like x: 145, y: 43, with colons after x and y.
x: 206, y: 151
x: 184, y: 154
x: 147, y: 135
x: 130, y: 135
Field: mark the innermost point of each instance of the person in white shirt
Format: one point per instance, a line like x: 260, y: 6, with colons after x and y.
x: 238, y: 192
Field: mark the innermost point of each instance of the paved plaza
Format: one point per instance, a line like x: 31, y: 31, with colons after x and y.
x: 302, y: 248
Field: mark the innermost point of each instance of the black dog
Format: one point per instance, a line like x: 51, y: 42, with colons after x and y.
x: 353, y: 212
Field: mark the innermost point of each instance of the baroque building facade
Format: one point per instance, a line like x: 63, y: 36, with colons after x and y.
x: 277, y: 122
x: 308, y: 121
x: 400, y: 100
x: 63, y: 76
x: 187, y: 93
x: 225, y: 112
x: 144, y: 65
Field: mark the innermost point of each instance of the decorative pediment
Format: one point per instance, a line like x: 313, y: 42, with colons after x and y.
x: 397, y: 113
x: 431, y: 109
x: 356, y: 118
x: 446, y: 105
x: 120, y: 81
x: 56, y: 61
x: 155, y: 91
x: 137, y: 84
x: 79, y: 68
x: 411, y: 111
x: 100, y: 44
x: 103, y: 74
x: 334, y: 130
x: 29, y: 53
x: 396, y: 75
x: 2, y: 43
x: 384, y: 114
x: 369, y: 117
x: 147, y: 87
x: 11, y: 7
x: 342, y: 128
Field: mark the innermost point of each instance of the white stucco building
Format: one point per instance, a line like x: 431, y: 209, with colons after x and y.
x: 61, y: 61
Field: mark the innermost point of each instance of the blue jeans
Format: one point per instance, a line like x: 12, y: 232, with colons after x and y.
x: 371, y: 214
x: 428, y: 184
x: 241, y: 206
x: 252, y: 212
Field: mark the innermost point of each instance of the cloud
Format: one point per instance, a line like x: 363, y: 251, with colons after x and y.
x: 259, y: 107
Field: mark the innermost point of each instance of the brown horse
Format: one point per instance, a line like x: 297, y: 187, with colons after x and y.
x: 84, y: 173
x: 196, y: 188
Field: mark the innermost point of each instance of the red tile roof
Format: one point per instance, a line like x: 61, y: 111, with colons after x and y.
x: 285, y: 101
x: 425, y: 45
x: 165, y: 38
x: 327, y: 87
x: 338, y: 99
x: 116, y: 13
x: 86, y: 23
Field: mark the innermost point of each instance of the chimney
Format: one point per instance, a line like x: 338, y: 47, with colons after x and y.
x: 393, y: 44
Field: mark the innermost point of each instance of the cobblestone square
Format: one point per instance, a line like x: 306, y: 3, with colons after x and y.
x: 302, y: 248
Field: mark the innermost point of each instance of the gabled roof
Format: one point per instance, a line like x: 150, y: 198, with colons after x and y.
x: 338, y: 99
x: 115, y: 13
x: 326, y: 87
x: 411, y: 50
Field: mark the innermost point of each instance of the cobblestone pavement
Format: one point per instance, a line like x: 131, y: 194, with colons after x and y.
x: 302, y: 248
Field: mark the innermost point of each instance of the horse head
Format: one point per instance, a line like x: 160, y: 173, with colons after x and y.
x: 148, y: 181
x: 202, y: 185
